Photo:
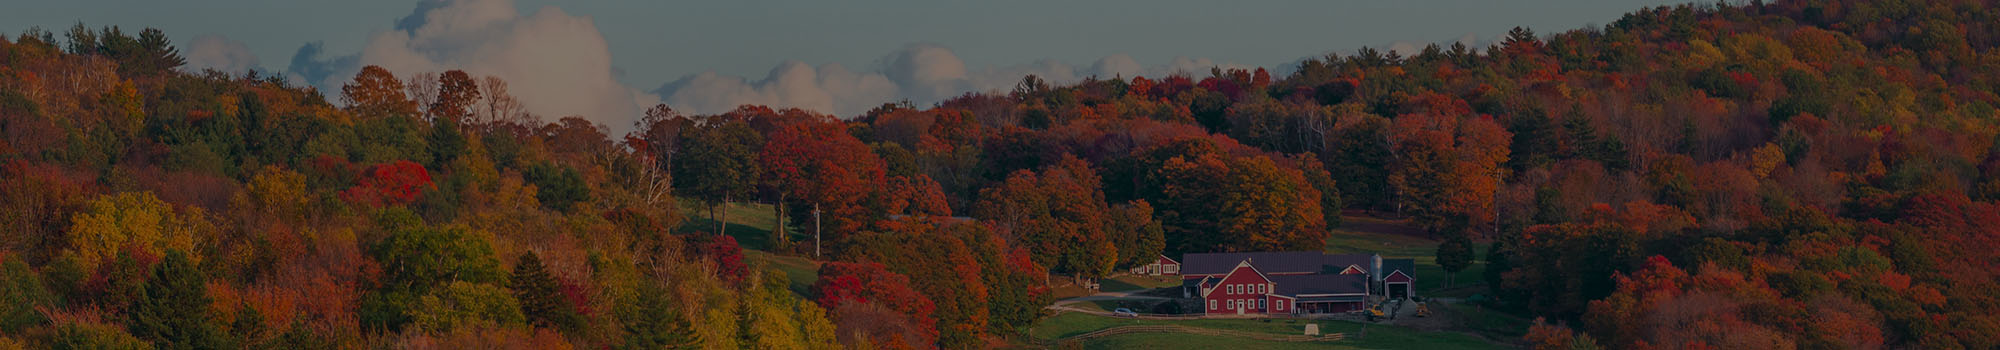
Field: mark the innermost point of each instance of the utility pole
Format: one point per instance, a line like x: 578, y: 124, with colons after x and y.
x: 815, y: 230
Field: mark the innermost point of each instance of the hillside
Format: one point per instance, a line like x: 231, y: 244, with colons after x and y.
x: 1797, y: 174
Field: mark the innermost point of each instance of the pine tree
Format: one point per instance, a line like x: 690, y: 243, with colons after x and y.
x: 654, y: 323
x: 249, y: 327
x: 541, y: 296
x: 21, y: 291
x: 173, y: 310
x: 1534, y: 145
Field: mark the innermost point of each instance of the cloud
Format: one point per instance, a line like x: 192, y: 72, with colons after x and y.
x: 557, y: 64
x: 920, y: 73
x: 211, y: 51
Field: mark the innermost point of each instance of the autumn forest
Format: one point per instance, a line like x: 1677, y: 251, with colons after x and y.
x: 1793, y: 174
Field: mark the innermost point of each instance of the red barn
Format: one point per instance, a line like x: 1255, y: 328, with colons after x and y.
x: 1292, y: 282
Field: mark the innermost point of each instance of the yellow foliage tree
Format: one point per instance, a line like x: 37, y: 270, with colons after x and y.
x: 136, y: 219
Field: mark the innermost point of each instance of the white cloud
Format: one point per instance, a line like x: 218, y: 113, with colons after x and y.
x: 920, y: 73
x: 211, y: 51
x: 557, y: 64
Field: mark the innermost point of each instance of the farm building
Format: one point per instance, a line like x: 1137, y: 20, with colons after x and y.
x: 1292, y: 282
x: 1163, y: 266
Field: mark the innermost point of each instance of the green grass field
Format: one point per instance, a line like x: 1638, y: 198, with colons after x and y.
x: 1392, y: 239
x: 1358, y: 234
x: 1373, y: 337
x: 750, y: 223
x: 1133, y: 282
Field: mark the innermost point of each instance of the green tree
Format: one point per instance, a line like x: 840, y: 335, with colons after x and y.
x: 1454, y: 255
x: 1359, y: 163
x: 94, y: 336
x: 654, y: 322
x: 1138, y: 236
x: 415, y: 260
x: 464, y: 304
x: 718, y: 164
x: 557, y: 187
x: 173, y: 311
x: 541, y: 296
x: 21, y: 291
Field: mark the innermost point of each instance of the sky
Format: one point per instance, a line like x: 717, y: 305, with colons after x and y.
x: 609, y: 59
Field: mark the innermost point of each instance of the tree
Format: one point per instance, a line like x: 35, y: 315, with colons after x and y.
x: 133, y: 219
x: 950, y: 270
x: 817, y: 167
x: 389, y: 184
x: 727, y: 256
x: 417, y: 259
x: 173, y: 312
x: 540, y: 295
x: 1210, y: 201
x: 496, y: 106
x: 1454, y: 255
x: 655, y: 322
x: 1059, y: 214
x: 556, y: 186
x: 1448, y: 165
x: 374, y: 93
x: 21, y: 292
x: 718, y: 164
x: 1138, y: 235
x: 456, y: 95
x: 461, y: 304
x: 94, y: 336
x: 842, y: 283
x: 656, y: 143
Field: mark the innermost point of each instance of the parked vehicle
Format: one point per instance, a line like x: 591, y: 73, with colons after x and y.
x: 1124, y: 312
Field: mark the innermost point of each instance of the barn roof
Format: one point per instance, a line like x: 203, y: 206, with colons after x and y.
x: 1295, y: 285
x: 1273, y: 263
x: 1408, y: 266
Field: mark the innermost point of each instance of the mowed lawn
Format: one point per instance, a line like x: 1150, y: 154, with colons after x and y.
x: 1357, y: 234
x: 1395, y: 239
x: 750, y: 224
x: 1360, y: 336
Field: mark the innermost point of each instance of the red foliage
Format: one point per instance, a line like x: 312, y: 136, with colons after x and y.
x: 578, y: 295
x: 819, y: 163
x: 1141, y: 87
x: 727, y: 256
x: 388, y: 184
x: 841, y: 283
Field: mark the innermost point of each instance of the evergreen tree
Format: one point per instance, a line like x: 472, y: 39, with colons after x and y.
x: 21, y: 290
x: 541, y: 296
x: 249, y: 327
x: 1585, y: 143
x: 173, y: 310
x: 1534, y: 140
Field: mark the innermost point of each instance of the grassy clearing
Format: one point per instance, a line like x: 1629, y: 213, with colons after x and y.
x: 1373, y: 337
x: 1395, y: 239
x: 1135, y: 282
x: 1487, y: 321
x: 800, y: 271
x: 749, y: 223
x: 1191, y: 341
